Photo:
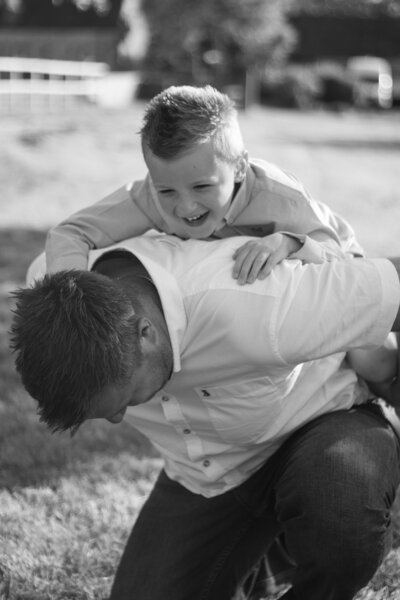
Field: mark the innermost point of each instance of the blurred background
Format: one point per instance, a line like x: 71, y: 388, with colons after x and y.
x: 293, y: 53
x: 317, y: 85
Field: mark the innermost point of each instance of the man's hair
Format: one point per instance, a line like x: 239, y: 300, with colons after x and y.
x: 181, y: 117
x: 73, y: 333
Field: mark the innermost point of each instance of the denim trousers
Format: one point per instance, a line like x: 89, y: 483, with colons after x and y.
x: 327, y: 492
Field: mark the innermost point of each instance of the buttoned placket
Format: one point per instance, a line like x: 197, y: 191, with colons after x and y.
x: 195, y: 449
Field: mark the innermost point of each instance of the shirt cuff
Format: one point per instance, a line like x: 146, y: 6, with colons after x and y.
x: 311, y: 251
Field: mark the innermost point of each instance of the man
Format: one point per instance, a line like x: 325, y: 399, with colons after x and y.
x: 264, y: 429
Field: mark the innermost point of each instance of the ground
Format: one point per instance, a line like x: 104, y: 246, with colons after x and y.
x: 68, y: 503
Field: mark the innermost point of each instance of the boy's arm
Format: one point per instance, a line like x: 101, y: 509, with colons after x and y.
x: 278, y: 199
x: 114, y: 218
x: 281, y: 201
x: 324, y: 235
x: 256, y: 259
x: 334, y: 238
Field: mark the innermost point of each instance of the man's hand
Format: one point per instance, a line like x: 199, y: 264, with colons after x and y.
x: 388, y: 389
x: 256, y: 259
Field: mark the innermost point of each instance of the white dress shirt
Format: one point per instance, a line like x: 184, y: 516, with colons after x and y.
x: 252, y: 363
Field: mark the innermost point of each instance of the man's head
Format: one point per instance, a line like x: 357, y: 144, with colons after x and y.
x: 82, y: 351
x: 194, y: 151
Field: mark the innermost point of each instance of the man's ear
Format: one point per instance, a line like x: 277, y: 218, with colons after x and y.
x: 241, y: 167
x: 147, y: 332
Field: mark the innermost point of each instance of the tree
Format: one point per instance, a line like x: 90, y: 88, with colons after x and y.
x: 360, y: 8
x: 215, y: 38
x: 59, y: 13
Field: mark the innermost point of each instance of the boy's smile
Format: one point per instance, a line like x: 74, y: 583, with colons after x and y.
x: 194, y: 190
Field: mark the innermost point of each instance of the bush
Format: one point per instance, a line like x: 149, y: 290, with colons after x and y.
x: 294, y: 87
x: 307, y: 86
x: 336, y: 85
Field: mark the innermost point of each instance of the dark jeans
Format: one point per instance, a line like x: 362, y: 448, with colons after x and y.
x: 328, y: 491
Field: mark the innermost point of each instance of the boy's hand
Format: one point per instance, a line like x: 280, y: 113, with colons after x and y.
x: 256, y: 259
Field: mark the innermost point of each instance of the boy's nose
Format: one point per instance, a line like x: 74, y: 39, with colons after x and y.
x: 186, y: 206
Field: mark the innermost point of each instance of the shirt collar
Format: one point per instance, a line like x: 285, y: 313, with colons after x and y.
x: 166, y: 284
x: 242, y: 197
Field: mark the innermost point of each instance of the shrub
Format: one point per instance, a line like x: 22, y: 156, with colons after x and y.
x: 296, y: 86
x: 336, y: 85
x: 307, y: 86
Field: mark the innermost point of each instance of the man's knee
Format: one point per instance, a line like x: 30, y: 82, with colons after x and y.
x: 335, y: 509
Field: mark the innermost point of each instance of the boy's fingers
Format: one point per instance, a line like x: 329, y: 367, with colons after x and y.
x: 237, y: 267
x: 273, y: 260
x: 246, y: 269
x: 239, y: 256
x: 257, y: 266
x: 265, y: 271
x: 242, y: 250
x: 252, y: 266
x: 249, y: 260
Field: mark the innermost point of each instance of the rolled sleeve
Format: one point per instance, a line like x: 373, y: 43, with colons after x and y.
x: 335, y: 307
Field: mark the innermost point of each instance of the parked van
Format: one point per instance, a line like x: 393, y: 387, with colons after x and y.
x: 372, y: 80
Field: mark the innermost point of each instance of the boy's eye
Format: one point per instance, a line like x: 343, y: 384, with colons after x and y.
x: 165, y: 192
x: 202, y: 186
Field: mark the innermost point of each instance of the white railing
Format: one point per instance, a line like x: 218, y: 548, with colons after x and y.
x: 26, y: 81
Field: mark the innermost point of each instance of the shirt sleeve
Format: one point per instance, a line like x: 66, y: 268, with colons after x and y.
x: 279, y: 199
x: 329, y: 236
x: 332, y: 308
x: 115, y: 218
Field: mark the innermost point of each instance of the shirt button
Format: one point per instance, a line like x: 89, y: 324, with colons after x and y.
x: 206, y: 463
x: 186, y: 431
x: 165, y: 398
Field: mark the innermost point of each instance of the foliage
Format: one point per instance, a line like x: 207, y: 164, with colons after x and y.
x: 133, y: 31
x: 306, y: 86
x: 293, y: 87
x: 336, y: 83
x: 213, y: 39
x: 362, y: 8
x: 59, y: 13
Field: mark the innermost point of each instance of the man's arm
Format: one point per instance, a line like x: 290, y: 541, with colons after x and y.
x: 334, y: 307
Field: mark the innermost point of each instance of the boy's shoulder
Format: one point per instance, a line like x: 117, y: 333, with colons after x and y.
x: 268, y: 176
x: 269, y: 196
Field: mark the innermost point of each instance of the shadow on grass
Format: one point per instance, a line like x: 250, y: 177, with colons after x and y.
x: 30, y: 454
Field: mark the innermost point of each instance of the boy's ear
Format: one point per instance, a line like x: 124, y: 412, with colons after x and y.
x: 241, y: 167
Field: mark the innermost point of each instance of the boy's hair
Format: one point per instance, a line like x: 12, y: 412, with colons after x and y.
x: 182, y: 117
x: 73, y: 333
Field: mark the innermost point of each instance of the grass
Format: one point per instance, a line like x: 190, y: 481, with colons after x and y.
x: 67, y: 504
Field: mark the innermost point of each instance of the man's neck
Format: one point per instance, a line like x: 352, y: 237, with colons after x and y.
x: 127, y: 269
x: 115, y: 263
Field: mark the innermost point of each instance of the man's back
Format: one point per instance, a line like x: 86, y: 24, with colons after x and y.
x: 247, y: 370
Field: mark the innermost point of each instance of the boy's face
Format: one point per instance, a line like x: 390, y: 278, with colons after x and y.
x: 194, y: 190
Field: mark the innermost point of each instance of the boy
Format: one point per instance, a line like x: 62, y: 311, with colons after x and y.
x: 201, y: 184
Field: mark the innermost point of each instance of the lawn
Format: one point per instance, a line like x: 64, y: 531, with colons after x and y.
x: 67, y: 504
